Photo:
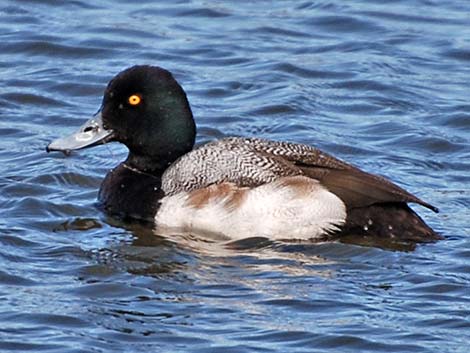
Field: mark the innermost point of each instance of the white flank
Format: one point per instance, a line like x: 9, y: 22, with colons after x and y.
x: 276, y: 210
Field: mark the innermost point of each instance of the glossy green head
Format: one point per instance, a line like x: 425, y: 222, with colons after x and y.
x: 145, y: 109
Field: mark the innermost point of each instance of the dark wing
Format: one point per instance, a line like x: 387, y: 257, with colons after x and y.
x: 355, y: 187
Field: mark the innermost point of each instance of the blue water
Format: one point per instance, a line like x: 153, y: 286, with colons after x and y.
x: 381, y: 84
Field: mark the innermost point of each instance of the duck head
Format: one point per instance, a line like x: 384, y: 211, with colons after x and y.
x: 145, y: 109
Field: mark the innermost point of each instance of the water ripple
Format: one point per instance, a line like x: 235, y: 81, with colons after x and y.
x: 382, y: 85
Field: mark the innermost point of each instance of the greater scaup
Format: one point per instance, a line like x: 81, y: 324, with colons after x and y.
x: 236, y: 187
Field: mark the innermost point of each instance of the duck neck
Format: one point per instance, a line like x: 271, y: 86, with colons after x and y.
x: 147, y: 165
x: 174, y: 138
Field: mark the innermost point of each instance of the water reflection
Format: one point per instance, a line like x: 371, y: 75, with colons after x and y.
x: 364, y: 80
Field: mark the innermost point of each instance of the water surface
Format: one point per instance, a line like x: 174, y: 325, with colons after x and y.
x: 382, y: 84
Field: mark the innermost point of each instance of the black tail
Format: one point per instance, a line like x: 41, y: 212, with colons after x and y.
x: 391, y: 220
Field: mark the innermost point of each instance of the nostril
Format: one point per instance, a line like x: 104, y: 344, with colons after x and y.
x: 88, y: 128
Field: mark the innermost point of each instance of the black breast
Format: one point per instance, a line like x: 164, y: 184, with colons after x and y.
x: 129, y: 193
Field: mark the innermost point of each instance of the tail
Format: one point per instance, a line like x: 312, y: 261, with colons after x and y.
x: 393, y: 220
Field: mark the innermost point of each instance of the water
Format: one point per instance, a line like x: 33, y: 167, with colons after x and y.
x: 382, y: 84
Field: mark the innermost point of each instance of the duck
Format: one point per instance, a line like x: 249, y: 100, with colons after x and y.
x: 235, y: 187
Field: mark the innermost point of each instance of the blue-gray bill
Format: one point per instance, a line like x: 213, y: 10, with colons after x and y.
x: 90, y: 134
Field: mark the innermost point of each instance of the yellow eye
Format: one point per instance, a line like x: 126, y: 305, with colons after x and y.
x: 134, y: 99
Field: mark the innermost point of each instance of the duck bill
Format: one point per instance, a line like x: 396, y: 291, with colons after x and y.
x: 90, y: 134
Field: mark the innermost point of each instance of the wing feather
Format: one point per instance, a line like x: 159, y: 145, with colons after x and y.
x: 251, y: 162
